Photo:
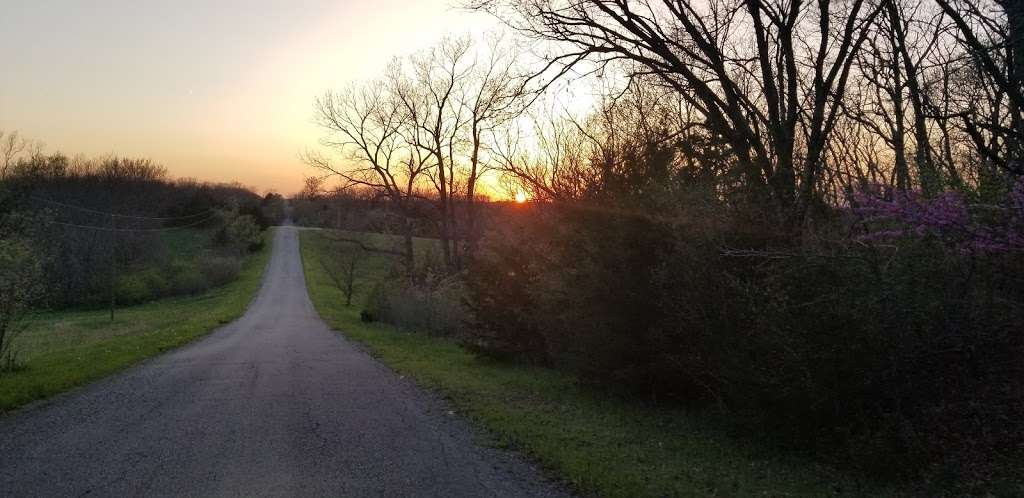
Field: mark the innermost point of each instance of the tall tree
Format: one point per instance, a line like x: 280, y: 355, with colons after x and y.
x: 12, y: 145
x: 364, y: 124
x: 428, y: 96
x: 992, y: 34
x: 492, y: 95
x: 767, y: 76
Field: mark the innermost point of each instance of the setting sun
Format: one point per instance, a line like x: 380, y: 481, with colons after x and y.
x: 520, y: 197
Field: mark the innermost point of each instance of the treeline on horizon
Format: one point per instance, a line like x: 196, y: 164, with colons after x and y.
x: 808, y: 217
x: 363, y: 210
x: 71, y: 225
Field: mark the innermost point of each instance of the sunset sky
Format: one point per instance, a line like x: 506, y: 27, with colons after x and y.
x: 220, y: 90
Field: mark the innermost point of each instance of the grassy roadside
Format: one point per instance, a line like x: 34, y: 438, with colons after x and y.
x: 600, y: 445
x: 63, y: 350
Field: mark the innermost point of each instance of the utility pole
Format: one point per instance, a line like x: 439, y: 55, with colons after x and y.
x: 113, y: 264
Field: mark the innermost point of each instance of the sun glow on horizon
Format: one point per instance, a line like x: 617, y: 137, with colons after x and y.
x: 228, y: 98
x: 520, y: 197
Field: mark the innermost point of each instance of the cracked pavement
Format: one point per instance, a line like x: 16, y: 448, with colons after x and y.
x: 273, y: 404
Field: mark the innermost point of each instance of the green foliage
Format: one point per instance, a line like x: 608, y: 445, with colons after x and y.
x: 81, y: 193
x: 272, y: 209
x: 433, y: 306
x: 240, y: 233
x: 600, y: 445
x: 187, y: 278
x: 21, y: 285
x: 219, y: 270
x: 132, y: 289
x: 899, y: 362
x: 65, y: 349
x: 156, y: 281
x: 244, y: 234
x: 503, y: 300
x: 343, y: 267
x: 426, y: 300
x: 182, y: 276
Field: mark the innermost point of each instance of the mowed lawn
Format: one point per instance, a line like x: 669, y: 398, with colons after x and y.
x: 62, y: 350
x: 598, y: 444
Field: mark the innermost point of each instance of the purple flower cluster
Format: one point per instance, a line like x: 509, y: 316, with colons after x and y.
x: 887, y: 215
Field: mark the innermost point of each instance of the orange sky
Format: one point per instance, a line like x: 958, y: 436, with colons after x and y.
x: 217, y: 90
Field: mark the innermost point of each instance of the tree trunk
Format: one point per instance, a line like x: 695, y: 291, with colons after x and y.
x: 1015, y: 17
x: 408, y: 254
x: 474, y: 161
x: 442, y: 183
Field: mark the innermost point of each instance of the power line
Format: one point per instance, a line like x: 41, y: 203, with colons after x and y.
x: 113, y: 230
x: 105, y: 213
x: 108, y: 229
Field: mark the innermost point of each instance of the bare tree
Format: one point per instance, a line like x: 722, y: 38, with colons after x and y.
x: 493, y: 96
x: 551, y: 159
x: 20, y: 284
x: 342, y: 267
x: 992, y: 34
x: 312, y: 188
x: 766, y: 76
x: 428, y: 95
x: 365, y: 124
x: 12, y: 145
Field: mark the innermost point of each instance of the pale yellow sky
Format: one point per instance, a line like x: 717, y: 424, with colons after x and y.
x: 213, y: 89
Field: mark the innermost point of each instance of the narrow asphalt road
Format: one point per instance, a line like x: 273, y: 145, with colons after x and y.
x: 274, y: 404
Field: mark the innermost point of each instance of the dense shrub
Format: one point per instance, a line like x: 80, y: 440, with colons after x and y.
x: 219, y: 270
x: 272, y: 210
x: 426, y: 300
x: 156, y: 281
x: 179, y: 277
x: 141, y: 285
x: 72, y: 198
x: 187, y: 278
x: 132, y: 289
x: 21, y: 270
x: 503, y: 301
x: 240, y: 233
x: 885, y: 352
x: 898, y: 357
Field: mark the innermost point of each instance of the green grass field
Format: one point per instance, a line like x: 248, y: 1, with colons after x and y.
x: 598, y: 444
x: 63, y: 350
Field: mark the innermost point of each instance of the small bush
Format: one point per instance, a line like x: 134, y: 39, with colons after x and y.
x: 433, y: 305
x: 503, y: 300
x: 342, y: 264
x: 900, y: 359
x: 187, y: 279
x: 21, y: 284
x: 156, y: 281
x: 220, y: 270
x: 180, y: 277
x: 243, y: 233
x: 132, y: 289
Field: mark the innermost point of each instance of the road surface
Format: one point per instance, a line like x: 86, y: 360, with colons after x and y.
x: 274, y: 404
